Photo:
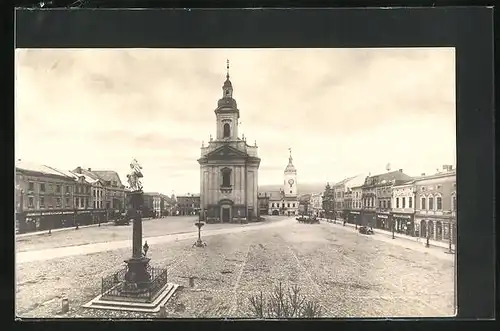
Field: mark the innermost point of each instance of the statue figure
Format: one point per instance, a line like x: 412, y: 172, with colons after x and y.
x: 134, y: 176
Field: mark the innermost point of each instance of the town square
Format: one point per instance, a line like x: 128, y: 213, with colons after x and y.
x: 196, y: 184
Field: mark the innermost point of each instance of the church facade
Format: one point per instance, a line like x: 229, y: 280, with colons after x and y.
x: 286, y: 202
x: 229, y: 168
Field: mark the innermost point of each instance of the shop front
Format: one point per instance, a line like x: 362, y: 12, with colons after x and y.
x: 354, y: 217
x: 368, y: 218
x: 384, y: 221
x: 404, y: 223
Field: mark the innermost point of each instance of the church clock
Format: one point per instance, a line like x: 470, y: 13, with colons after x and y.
x: 290, y: 181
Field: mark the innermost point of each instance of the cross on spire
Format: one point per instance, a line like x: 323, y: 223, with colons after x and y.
x: 227, y: 67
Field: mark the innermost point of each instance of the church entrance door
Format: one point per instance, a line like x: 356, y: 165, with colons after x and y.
x: 225, y: 215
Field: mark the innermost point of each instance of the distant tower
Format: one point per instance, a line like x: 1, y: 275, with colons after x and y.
x: 388, y: 167
x: 290, y: 182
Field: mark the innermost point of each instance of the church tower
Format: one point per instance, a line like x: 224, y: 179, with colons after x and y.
x: 290, y: 182
x: 227, y: 113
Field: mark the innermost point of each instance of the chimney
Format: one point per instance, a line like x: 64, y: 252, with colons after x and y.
x: 422, y: 174
x: 445, y: 167
x: 78, y: 170
x: 400, y: 170
x: 89, y: 169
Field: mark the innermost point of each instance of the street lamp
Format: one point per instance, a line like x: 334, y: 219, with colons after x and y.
x: 393, y: 223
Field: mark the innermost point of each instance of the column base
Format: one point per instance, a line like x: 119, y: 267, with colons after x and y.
x: 137, y: 278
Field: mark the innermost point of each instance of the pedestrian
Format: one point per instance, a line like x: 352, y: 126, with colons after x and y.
x: 344, y: 223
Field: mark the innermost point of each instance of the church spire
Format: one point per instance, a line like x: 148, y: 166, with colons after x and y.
x: 290, y: 159
x: 227, y: 88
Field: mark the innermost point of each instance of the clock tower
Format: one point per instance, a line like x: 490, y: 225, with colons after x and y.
x: 290, y: 182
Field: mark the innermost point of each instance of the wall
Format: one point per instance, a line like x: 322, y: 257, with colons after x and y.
x: 444, y: 186
x: 50, y: 195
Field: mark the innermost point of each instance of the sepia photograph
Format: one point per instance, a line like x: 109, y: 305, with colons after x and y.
x: 239, y: 183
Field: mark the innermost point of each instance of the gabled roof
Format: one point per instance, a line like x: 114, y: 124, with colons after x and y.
x: 225, y: 152
x: 108, y: 175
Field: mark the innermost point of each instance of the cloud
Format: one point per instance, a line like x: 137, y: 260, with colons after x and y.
x: 342, y: 111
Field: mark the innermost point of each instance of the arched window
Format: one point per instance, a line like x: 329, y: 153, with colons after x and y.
x: 431, y: 203
x: 227, y: 130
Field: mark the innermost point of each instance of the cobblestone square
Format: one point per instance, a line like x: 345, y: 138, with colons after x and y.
x: 349, y: 274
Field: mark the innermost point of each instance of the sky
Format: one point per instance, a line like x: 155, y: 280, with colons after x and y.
x: 343, y: 112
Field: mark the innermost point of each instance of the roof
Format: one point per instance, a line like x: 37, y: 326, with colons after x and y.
x: 396, y: 176
x: 290, y: 167
x: 39, y: 168
x: 107, y: 175
x: 343, y: 181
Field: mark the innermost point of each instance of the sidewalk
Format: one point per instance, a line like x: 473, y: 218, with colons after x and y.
x: 39, y: 233
x: 434, y: 243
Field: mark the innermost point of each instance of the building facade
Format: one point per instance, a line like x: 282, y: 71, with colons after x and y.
x: 403, y: 208
x: 286, y: 202
x: 189, y: 204
x: 317, y: 203
x: 44, y: 198
x: 436, y: 205
x: 377, y: 196
x: 229, y: 167
x: 263, y: 198
x: 357, y: 204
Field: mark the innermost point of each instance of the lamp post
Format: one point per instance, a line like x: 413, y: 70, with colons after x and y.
x: 427, y: 236
x: 199, y: 242
x: 393, y: 226
x: 450, y: 251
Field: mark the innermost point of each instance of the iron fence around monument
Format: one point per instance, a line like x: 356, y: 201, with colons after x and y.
x: 112, y: 285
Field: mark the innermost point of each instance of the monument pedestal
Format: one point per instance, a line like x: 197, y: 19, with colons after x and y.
x: 137, y: 278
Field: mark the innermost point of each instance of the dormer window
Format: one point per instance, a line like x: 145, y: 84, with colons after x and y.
x: 227, y: 130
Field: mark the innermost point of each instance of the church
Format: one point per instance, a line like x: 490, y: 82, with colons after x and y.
x: 286, y: 202
x: 229, y: 168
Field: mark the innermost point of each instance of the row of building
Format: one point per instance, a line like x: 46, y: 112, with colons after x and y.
x: 47, y: 197
x: 418, y: 206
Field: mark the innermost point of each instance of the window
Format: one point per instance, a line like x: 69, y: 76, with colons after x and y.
x: 50, y: 188
x: 397, y: 202
x: 431, y: 203
x: 283, y: 205
x: 95, y: 205
x: 403, y: 202
x: 454, y: 203
x: 42, y: 187
x: 438, y: 187
x: 294, y: 205
x: 58, y: 188
x: 385, y: 204
x: 77, y: 202
x: 288, y: 205
x: 67, y: 202
x: 439, y: 203
x: 42, y: 202
x: 67, y: 189
x: 227, y: 130
x: 58, y: 202
x: 389, y: 206
x: 31, y: 186
x: 410, y: 202
x: 422, y: 203
x: 226, y: 177
x: 380, y: 203
x: 94, y: 194
x: 272, y: 204
x: 30, y: 202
